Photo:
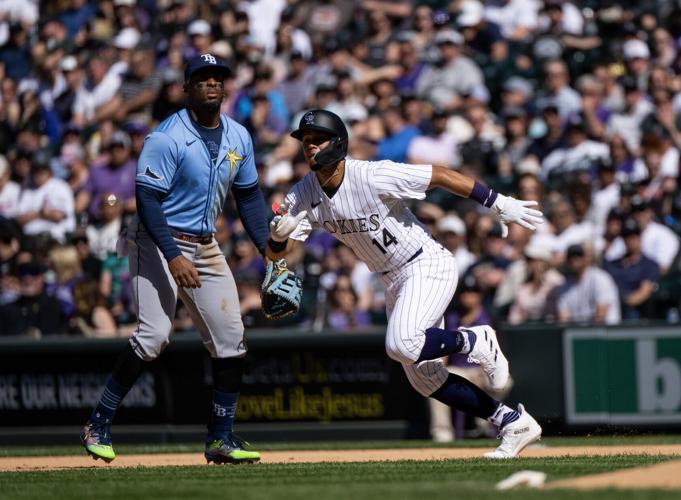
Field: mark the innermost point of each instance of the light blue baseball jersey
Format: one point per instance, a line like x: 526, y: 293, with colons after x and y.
x: 176, y: 161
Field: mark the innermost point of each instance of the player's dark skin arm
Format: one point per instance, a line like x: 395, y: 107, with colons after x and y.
x: 182, y: 270
x: 290, y: 246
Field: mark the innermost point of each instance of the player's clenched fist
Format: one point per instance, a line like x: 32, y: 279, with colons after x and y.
x: 511, y: 210
x: 184, y: 272
x: 284, y: 224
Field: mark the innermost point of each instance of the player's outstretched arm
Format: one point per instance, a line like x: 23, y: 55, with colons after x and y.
x: 507, y: 208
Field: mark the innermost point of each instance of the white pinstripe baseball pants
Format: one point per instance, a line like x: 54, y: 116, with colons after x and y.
x: 416, y: 299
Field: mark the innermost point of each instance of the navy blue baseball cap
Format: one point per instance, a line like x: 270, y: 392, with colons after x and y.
x: 206, y: 61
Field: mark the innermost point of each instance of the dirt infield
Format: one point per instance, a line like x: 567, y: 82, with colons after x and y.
x: 659, y: 476
x: 150, y: 460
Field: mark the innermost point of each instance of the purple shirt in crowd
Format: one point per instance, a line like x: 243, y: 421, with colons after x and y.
x: 106, y: 179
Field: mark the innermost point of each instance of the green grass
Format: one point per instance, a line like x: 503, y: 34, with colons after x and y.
x: 75, y: 449
x: 425, y: 480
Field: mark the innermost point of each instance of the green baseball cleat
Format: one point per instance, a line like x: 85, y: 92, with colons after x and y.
x: 96, y: 439
x: 230, y: 450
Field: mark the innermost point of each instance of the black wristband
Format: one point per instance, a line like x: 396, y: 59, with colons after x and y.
x: 277, y: 246
x: 483, y: 195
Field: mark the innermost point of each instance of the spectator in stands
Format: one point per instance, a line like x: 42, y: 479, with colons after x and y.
x: 74, y: 80
x: 480, y: 153
x: 659, y: 166
x: 516, y: 18
x: 9, y: 191
x: 634, y: 274
x: 438, y: 146
x: 558, y: 90
x: 46, y: 204
x: 410, y: 61
x: 580, y: 154
x: 65, y: 262
x: 483, y: 38
x: 139, y: 88
x: 627, y: 122
x: 551, y: 138
x: 298, y: 84
x: 451, y: 232
x: 516, y: 141
x: 595, y: 114
x: 103, y: 233
x: 622, y: 158
x: 490, y: 269
x: 77, y: 15
x: 343, y: 312
x: 605, y: 195
x: 398, y: 136
x: 637, y: 59
x: 570, y: 230
x: 15, y: 55
x: 589, y: 295
x: 658, y: 242
x: 92, y: 317
x: 34, y: 313
x: 245, y: 255
x: 200, y: 36
x: 114, y: 284
x: 454, y: 74
x: 102, y: 84
x: 423, y: 25
x: 9, y: 249
x: 516, y: 93
x: 91, y: 265
x: 116, y: 176
x: 250, y: 302
x: 170, y: 97
x: 534, y: 299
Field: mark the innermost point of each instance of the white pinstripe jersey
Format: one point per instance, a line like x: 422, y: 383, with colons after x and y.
x: 368, y: 212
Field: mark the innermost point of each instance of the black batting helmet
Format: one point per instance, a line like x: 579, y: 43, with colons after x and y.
x: 321, y: 120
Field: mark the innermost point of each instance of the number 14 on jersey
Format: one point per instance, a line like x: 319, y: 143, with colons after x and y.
x: 388, y: 239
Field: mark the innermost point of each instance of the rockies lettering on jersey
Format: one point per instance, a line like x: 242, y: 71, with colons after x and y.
x: 368, y: 212
x: 346, y: 226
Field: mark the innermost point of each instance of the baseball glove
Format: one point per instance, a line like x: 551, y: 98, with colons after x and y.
x: 281, y: 291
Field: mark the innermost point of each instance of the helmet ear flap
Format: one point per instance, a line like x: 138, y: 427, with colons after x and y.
x: 334, y: 152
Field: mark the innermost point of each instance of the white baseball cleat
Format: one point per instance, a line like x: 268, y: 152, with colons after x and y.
x: 516, y: 436
x: 488, y: 355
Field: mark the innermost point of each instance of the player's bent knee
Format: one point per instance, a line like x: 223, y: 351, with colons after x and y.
x: 149, y: 348
x: 400, y: 353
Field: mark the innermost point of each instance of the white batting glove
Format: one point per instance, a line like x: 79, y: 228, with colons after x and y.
x: 511, y: 210
x: 284, y: 224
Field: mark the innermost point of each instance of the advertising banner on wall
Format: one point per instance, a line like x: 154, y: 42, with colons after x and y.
x: 321, y: 378
x: 622, y: 376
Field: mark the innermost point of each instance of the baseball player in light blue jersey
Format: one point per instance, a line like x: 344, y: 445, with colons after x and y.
x: 186, y: 168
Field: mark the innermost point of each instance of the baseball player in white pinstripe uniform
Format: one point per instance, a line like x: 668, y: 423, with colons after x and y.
x: 362, y: 204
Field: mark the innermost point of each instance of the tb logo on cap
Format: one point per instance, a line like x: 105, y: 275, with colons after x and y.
x: 309, y: 119
x: 209, y: 58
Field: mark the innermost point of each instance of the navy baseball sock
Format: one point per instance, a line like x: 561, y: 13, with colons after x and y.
x: 108, y: 403
x: 222, y: 419
x: 440, y: 342
x: 463, y: 395
x: 504, y: 416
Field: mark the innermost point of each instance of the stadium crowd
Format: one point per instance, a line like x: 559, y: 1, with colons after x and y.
x: 576, y: 105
